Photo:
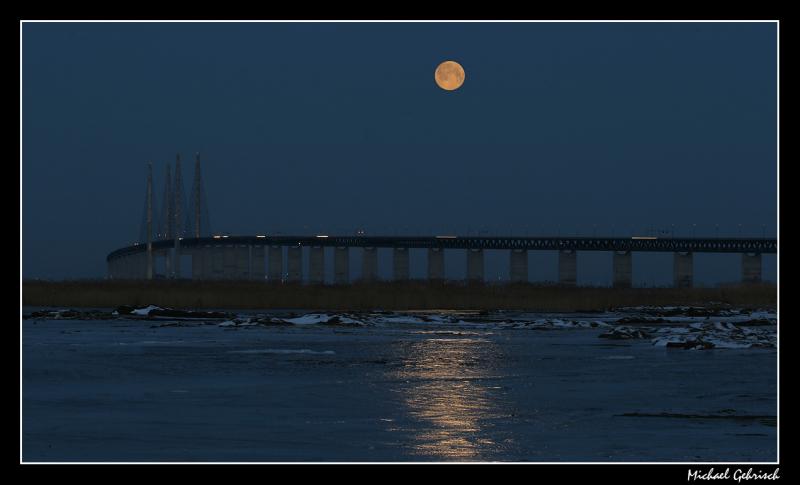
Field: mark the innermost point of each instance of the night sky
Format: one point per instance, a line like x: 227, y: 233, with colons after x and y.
x: 559, y: 128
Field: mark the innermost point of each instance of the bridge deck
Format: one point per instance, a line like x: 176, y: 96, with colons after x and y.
x: 696, y: 245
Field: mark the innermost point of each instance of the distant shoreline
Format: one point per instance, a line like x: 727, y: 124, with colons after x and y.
x: 411, y: 295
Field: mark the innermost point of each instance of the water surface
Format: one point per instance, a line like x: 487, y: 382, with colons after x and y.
x: 396, y: 390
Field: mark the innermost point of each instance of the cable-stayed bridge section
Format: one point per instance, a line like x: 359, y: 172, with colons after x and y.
x: 183, y: 228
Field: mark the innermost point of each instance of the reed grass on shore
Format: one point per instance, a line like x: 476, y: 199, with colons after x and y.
x: 409, y: 295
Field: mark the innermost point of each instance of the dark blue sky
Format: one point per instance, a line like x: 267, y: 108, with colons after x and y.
x: 559, y: 128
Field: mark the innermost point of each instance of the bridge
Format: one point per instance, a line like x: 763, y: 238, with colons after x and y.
x: 261, y: 257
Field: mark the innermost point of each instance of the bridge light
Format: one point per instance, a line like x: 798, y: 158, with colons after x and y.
x: 217, y: 237
x: 446, y: 237
x: 644, y: 237
x: 322, y: 235
x: 260, y: 236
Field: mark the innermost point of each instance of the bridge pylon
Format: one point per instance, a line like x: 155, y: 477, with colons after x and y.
x: 166, y: 228
x: 180, y: 217
x: 198, y: 205
x: 149, y: 220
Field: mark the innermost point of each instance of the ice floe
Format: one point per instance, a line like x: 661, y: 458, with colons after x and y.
x: 624, y: 333
x: 145, y: 311
x: 666, y: 327
x: 154, y: 312
x: 716, y: 335
x: 554, y: 324
x: 307, y: 319
x: 325, y: 319
x: 65, y: 314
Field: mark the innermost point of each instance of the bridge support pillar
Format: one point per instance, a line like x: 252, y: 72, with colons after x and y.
x: 197, y: 263
x: 156, y: 263
x: 133, y: 267
x: 294, y: 263
x: 751, y: 268
x: 229, y: 262
x: 168, y: 271
x: 242, y: 263
x: 568, y: 267
x: 257, y: 263
x: 176, y: 258
x: 207, y: 262
x: 125, y: 267
x: 144, y: 268
x: 683, y: 270
x: 400, y: 266
x: 136, y: 263
x: 475, y: 265
x: 216, y: 262
x: 149, y: 261
x: 316, y: 265
x: 622, y: 269
x: 369, y: 268
x: 137, y: 269
x: 275, y: 257
x: 518, y: 271
x: 341, y: 265
x: 436, y: 264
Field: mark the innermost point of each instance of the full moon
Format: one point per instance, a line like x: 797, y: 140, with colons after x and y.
x: 449, y: 75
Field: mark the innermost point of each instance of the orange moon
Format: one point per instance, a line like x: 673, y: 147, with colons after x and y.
x: 449, y: 75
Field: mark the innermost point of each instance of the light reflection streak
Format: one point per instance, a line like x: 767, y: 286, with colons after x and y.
x: 445, y: 394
